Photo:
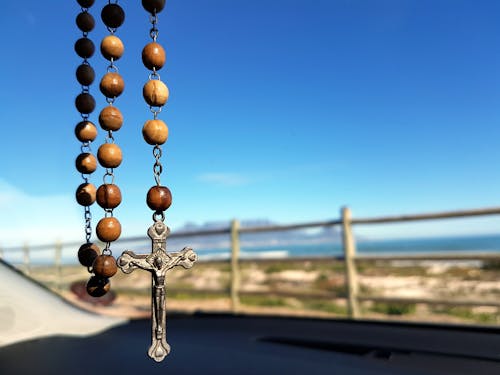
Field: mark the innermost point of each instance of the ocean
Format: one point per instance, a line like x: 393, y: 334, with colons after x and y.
x: 477, y: 243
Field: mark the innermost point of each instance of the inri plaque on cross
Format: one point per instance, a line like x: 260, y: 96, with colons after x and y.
x: 158, y: 263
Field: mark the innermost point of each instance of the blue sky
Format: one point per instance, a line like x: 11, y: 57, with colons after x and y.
x: 284, y: 110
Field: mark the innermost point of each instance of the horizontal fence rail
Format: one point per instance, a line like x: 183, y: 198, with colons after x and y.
x: 349, y: 256
x: 429, y: 257
x: 429, y: 216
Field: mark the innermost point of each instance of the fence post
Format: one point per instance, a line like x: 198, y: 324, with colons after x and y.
x: 57, y: 262
x: 350, y: 265
x: 235, y: 271
x: 26, y: 258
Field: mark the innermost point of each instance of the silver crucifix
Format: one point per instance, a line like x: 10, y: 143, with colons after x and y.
x: 158, y: 263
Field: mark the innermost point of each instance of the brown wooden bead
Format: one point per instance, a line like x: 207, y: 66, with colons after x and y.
x: 155, y: 132
x: 86, y: 163
x: 155, y: 93
x: 85, y: 103
x: 86, y: 3
x: 113, y: 15
x: 108, y: 229
x: 112, y: 85
x: 85, y: 74
x: 109, y: 155
x: 85, y: 22
x: 85, y: 131
x: 108, y: 196
x: 85, y: 194
x: 153, y: 6
x: 84, y: 48
x: 98, y: 286
x: 159, y: 198
x: 153, y: 56
x: 111, y: 118
x: 112, y: 47
x: 104, y: 266
x: 87, y: 253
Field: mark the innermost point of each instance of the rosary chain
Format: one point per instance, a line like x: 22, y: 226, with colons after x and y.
x: 155, y: 131
x: 85, y: 130
x: 109, y: 153
x: 156, y: 108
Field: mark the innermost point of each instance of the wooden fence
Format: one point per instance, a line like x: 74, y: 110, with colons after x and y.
x: 350, y: 257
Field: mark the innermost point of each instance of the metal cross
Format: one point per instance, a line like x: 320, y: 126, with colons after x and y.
x: 158, y: 263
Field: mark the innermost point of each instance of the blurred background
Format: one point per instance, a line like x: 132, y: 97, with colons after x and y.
x: 280, y: 114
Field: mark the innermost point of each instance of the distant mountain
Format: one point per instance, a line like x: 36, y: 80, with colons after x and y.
x: 299, y: 236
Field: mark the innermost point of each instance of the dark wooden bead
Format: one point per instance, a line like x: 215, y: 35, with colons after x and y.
x: 153, y: 6
x: 108, y: 229
x: 113, y: 15
x: 98, y: 286
x: 109, y: 155
x: 112, y: 47
x: 108, y: 196
x: 85, y: 131
x: 159, y: 198
x: 85, y: 22
x: 153, y: 56
x: 86, y: 163
x: 84, y: 48
x: 104, y: 266
x: 85, y: 194
x: 112, y: 85
x: 155, y: 132
x: 87, y: 253
x: 85, y: 103
x: 86, y: 3
x: 111, y: 118
x: 85, y: 74
x: 155, y: 93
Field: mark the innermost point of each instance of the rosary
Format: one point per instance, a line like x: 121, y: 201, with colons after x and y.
x: 102, y: 264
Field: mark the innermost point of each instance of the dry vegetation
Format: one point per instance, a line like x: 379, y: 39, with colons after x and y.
x: 305, y: 288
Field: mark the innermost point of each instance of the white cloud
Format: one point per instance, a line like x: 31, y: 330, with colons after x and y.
x: 37, y: 219
x: 223, y: 179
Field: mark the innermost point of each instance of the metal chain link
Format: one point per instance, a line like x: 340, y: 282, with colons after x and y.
x: 88, y: 223
x: 159, y: 216
x: 153, y: 32
x: 85, y: 147
x: 154, y: 74
x: 112, y: 68
x: 109, y: 137
x: 157, y: 167
x: 155, y: 111
x: 107, y: 249
x: 109, y: 173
